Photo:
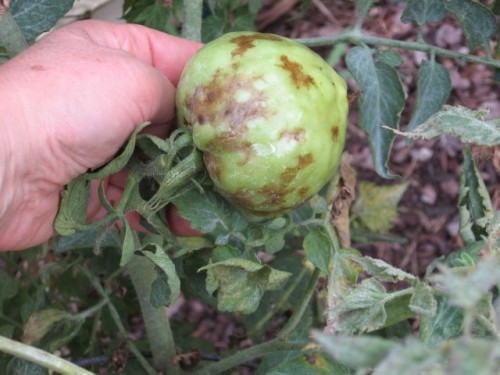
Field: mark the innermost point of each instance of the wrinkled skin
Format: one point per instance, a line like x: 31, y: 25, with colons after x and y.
x: 269, y: 116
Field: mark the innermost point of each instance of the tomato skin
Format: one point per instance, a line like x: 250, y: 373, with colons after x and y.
x: 269, y: 116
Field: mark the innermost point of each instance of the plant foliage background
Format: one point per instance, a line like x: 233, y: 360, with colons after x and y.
x: 317, y: 291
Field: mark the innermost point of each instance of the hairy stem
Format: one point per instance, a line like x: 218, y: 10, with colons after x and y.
x: 191, y: 27
x: 142, y: 273
x: 40, y: 357
x: 356, y: 37
x: 11, y: 36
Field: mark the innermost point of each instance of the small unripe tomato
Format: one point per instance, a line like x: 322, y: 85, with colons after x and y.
x: 269, y: 116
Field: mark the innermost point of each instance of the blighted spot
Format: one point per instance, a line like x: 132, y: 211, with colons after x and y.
x: 212, y: 165
x: 290, y: 172
x: 245, y: 42
x: 296, y: 70
x: 335, y: 133
x: 297, y: 134
x: 303, y: 191
x: 220, y: 104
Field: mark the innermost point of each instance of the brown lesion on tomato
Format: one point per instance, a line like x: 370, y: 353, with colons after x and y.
x: 215, y: 104
x: 245, y: 42
x: 213, y: 166
x: 303, y: 191
x: 335, y: 133
x: 296, y: 70
x: 297, y: 134
x: 290, y: 172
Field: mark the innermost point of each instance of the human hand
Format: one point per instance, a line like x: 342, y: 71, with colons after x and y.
x: 69, y: 103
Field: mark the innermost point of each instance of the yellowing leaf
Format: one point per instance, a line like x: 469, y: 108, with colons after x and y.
x: 376, y: 207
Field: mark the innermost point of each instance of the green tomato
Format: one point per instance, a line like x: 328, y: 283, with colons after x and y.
x: 269, y: 116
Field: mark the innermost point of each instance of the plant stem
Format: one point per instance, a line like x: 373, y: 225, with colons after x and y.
x: 91, y: 310
x: 356, y: 37
x: 40, y: 357
x: 191, y: 27
x: 142, y: 273
x: 246, y: 355
x: 11, y: 36
x: 299, y: 312
x: 116, y: 318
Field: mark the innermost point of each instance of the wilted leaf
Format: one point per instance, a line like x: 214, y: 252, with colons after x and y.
x: 467, y: 125
x: 376, y: 206
x: 478, y: 22
x: 51, y: 329
x: 424, y: 11
x: 433, y: 89
x: 240, y: 283
x: 474, y: 204
x: 72, y: 214
x: 356, y: 352
x: 318, y: 249
x: 381, y: 102
x: 446, y: 323
x: 36, y: 17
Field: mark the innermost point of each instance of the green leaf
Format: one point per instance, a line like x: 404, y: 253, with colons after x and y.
x: 381, y: 102
x: 240, y: 283
x: 312, y: 364
x: 255, y: 5
x: 389, y: 57
x: 478, y: 22
x: 213, y: 27
x: 72, y: 213
x: 9, y: 287
x: 318, y: 249
x: 36, y: 17
x: 51, y: 329
x: 466, y: 287
x: 376, y: 206
x: 21, y: 367
x: 160, y: 291
x: 154, y: 16
x: 211, y: 214
x: 423, y: 11
x: 363, y: 308
x: 357, y: 352
x: 128, y: 245
x: 446, y: 323
x: 381, y: 270
x: 423, y: 302
x: 433, y: 89
x: 474, y: 204
x: 412, y: 357
x: 86, y: 240
x: 158, y: 256
x: 459, y: 122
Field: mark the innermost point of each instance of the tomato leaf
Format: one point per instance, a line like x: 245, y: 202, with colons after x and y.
x: 158, y: 256
x: 474, y: 204
x: 240, y: 283
x: 381, y: 102
x: 36, y: 17
x: 423, y: 302
x: 318, y: 249
x: 211, y: 213
x: 72, y: 214
x: 381, y: 270
x: 467, y: 125
x: 423, y: 11
x: 433, y: 89
x: 446, y: 323
x: 478, y: 22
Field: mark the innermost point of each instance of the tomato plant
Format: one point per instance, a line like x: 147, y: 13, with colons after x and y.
x: 305, y: 298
